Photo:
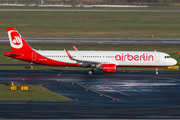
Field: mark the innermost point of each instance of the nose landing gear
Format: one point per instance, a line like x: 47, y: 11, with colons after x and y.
x: 156, y: 70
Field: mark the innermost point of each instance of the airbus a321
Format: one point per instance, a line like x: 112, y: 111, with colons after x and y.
x: 106, y: 61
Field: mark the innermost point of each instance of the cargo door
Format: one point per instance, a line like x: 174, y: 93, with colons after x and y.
x: 80, y: 56
x: 157, y: 58
x: 33, y: 56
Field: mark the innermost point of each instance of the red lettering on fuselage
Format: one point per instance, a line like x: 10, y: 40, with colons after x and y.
x: 136, y: 57
x: 118, y: 57
x: 142, y: 57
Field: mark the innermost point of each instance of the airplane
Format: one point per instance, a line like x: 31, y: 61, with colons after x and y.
x: 107, y: 61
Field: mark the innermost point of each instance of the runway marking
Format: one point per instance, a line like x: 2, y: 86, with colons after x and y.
x: 98, y: 92
x: 123, y: 93
x: 59, y: 74
x: 132, y: 84
x: 156, y: 77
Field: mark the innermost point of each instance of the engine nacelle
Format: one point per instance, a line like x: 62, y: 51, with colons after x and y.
x: 111, y: 68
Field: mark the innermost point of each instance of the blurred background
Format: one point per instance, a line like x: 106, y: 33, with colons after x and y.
x: 93, y: 2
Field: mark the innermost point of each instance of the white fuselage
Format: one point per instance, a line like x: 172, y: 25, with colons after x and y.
x: 120, y: 58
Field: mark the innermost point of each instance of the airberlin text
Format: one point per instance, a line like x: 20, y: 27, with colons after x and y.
x: 129, y: 57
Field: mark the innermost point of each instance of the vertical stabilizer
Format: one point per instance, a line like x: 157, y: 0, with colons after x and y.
x: 16, y: 41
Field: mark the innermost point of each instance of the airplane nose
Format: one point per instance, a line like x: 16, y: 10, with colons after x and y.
x: 174, y: 62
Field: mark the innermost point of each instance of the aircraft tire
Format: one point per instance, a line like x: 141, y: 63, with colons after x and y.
x: 90, y: 72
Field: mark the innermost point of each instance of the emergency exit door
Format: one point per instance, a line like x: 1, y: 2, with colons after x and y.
x: 157, y: 57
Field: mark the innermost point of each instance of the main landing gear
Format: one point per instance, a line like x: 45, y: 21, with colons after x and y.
x: 156, y: 70
x: 90, y: 72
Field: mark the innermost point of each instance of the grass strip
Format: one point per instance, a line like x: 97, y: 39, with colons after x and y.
x: 92, y: 24
x: 35, y: 92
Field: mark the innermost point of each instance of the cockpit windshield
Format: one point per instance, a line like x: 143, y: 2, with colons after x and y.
x: 167, y: 56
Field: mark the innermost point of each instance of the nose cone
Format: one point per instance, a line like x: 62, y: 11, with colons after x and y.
x: 173, y: 61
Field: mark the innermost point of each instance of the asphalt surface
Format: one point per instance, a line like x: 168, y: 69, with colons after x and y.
x: 88, y: 10
x: 99, y: 41
x: 125, y: 95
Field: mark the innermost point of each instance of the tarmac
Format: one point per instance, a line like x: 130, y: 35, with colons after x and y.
x: 154, y: 41
x: 88, y: 10
x: 120, y: 95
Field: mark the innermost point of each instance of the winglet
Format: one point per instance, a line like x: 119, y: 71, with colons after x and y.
x: 75, y: 48
x: 70, y: 57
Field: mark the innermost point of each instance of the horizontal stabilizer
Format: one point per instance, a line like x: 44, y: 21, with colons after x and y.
x: 11, y: 54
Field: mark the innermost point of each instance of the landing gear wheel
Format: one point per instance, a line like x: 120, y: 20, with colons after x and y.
x: 90, y: 72
x: 156, y: 70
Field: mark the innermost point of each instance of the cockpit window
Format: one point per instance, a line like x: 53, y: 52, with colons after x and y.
x: 167, y: 56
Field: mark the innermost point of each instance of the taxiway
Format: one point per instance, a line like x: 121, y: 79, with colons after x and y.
x: 155, y: 41
x: 125, y: 94
x: 89, y: 10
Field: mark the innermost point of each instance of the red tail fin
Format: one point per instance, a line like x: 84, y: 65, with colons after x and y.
x: 17, y: 42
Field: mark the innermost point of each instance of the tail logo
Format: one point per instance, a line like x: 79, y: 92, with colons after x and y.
x: 15, y: 39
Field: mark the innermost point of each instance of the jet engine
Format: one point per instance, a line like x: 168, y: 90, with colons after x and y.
x: 111, y: 68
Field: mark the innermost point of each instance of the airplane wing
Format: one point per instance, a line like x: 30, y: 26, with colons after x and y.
x: 85, y: 62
